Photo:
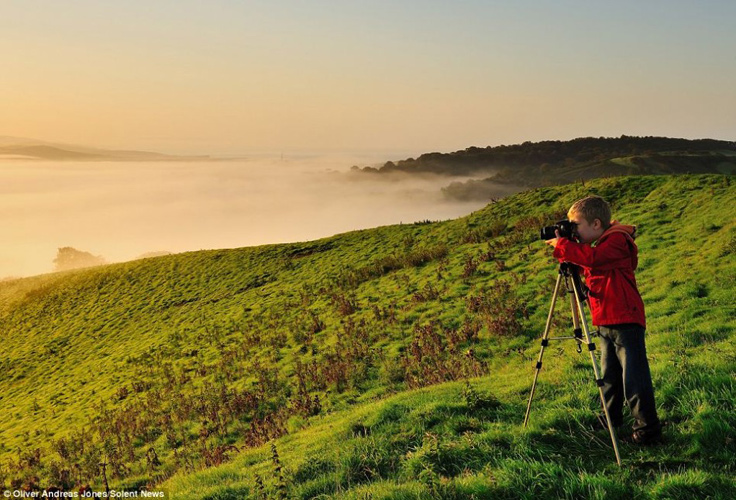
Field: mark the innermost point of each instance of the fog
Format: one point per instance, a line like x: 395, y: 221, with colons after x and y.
x: 121, y: 210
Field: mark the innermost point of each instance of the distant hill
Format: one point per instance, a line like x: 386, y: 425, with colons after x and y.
x: 534, y: 164
x: 349, y: 355
x: 31, y: 149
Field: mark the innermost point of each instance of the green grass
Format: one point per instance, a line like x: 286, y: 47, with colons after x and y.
x: 350, y: 354
x: 430, y: 443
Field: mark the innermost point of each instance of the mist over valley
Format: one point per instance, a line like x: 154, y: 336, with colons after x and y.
x: 123, y: 210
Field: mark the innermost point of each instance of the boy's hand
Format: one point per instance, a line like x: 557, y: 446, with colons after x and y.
x: 553, y: 243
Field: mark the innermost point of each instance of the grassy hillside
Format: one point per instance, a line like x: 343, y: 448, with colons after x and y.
x: 350, y: 355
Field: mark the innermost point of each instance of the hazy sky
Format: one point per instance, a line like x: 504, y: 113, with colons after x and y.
x: 232, y: 76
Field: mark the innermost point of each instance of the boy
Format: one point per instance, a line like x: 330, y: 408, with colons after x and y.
x: 607, y: 254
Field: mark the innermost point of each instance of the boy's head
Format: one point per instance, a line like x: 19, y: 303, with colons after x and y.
x: 592, y: 217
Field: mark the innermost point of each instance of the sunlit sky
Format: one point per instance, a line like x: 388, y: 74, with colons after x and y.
x: 402, y: 75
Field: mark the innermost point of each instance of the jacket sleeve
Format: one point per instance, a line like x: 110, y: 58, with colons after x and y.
x: 612, y: 250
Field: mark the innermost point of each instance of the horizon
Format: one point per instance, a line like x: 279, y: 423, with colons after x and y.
x: 377, y: 156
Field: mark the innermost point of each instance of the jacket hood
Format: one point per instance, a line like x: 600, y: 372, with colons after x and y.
x: 630, y: 232
x: 619, y: 228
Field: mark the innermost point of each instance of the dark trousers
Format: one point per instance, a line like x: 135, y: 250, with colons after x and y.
x: 626, y: 376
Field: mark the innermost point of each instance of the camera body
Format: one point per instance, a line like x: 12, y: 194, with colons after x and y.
x: 565, y: 227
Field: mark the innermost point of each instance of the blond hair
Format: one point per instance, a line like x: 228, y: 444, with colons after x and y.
x: 592, y: 208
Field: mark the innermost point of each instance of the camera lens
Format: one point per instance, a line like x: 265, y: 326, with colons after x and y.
x: 548, y: 233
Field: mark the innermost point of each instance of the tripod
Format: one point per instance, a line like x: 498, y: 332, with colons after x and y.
x: 578, y: 294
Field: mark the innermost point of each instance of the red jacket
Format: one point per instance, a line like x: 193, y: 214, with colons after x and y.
x: 609, y: 275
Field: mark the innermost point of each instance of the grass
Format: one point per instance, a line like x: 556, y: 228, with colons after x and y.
x: 430, y: 443
x: 350, y: 355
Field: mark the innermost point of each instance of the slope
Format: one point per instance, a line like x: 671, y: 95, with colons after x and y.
x: 171, y: 364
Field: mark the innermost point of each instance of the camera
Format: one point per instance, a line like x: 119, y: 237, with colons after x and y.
x: 565, y: 227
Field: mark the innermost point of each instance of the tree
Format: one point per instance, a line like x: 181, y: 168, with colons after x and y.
x: 70, y: 258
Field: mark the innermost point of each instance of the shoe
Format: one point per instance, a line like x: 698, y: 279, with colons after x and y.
x: 600, y: 423
x: 644, y: 438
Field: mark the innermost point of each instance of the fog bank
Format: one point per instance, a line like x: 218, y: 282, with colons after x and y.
x: 126, y: 209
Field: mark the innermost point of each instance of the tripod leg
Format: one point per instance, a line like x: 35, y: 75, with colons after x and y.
x: 577, y: 331
x: 591, y: 349
x: 545, y: 341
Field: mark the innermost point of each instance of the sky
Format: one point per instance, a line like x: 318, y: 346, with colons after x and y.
x: 394, y: 77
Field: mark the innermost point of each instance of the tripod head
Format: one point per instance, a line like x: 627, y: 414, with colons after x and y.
x: 568, y: 269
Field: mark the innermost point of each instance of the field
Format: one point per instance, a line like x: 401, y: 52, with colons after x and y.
x: 386, y: 363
